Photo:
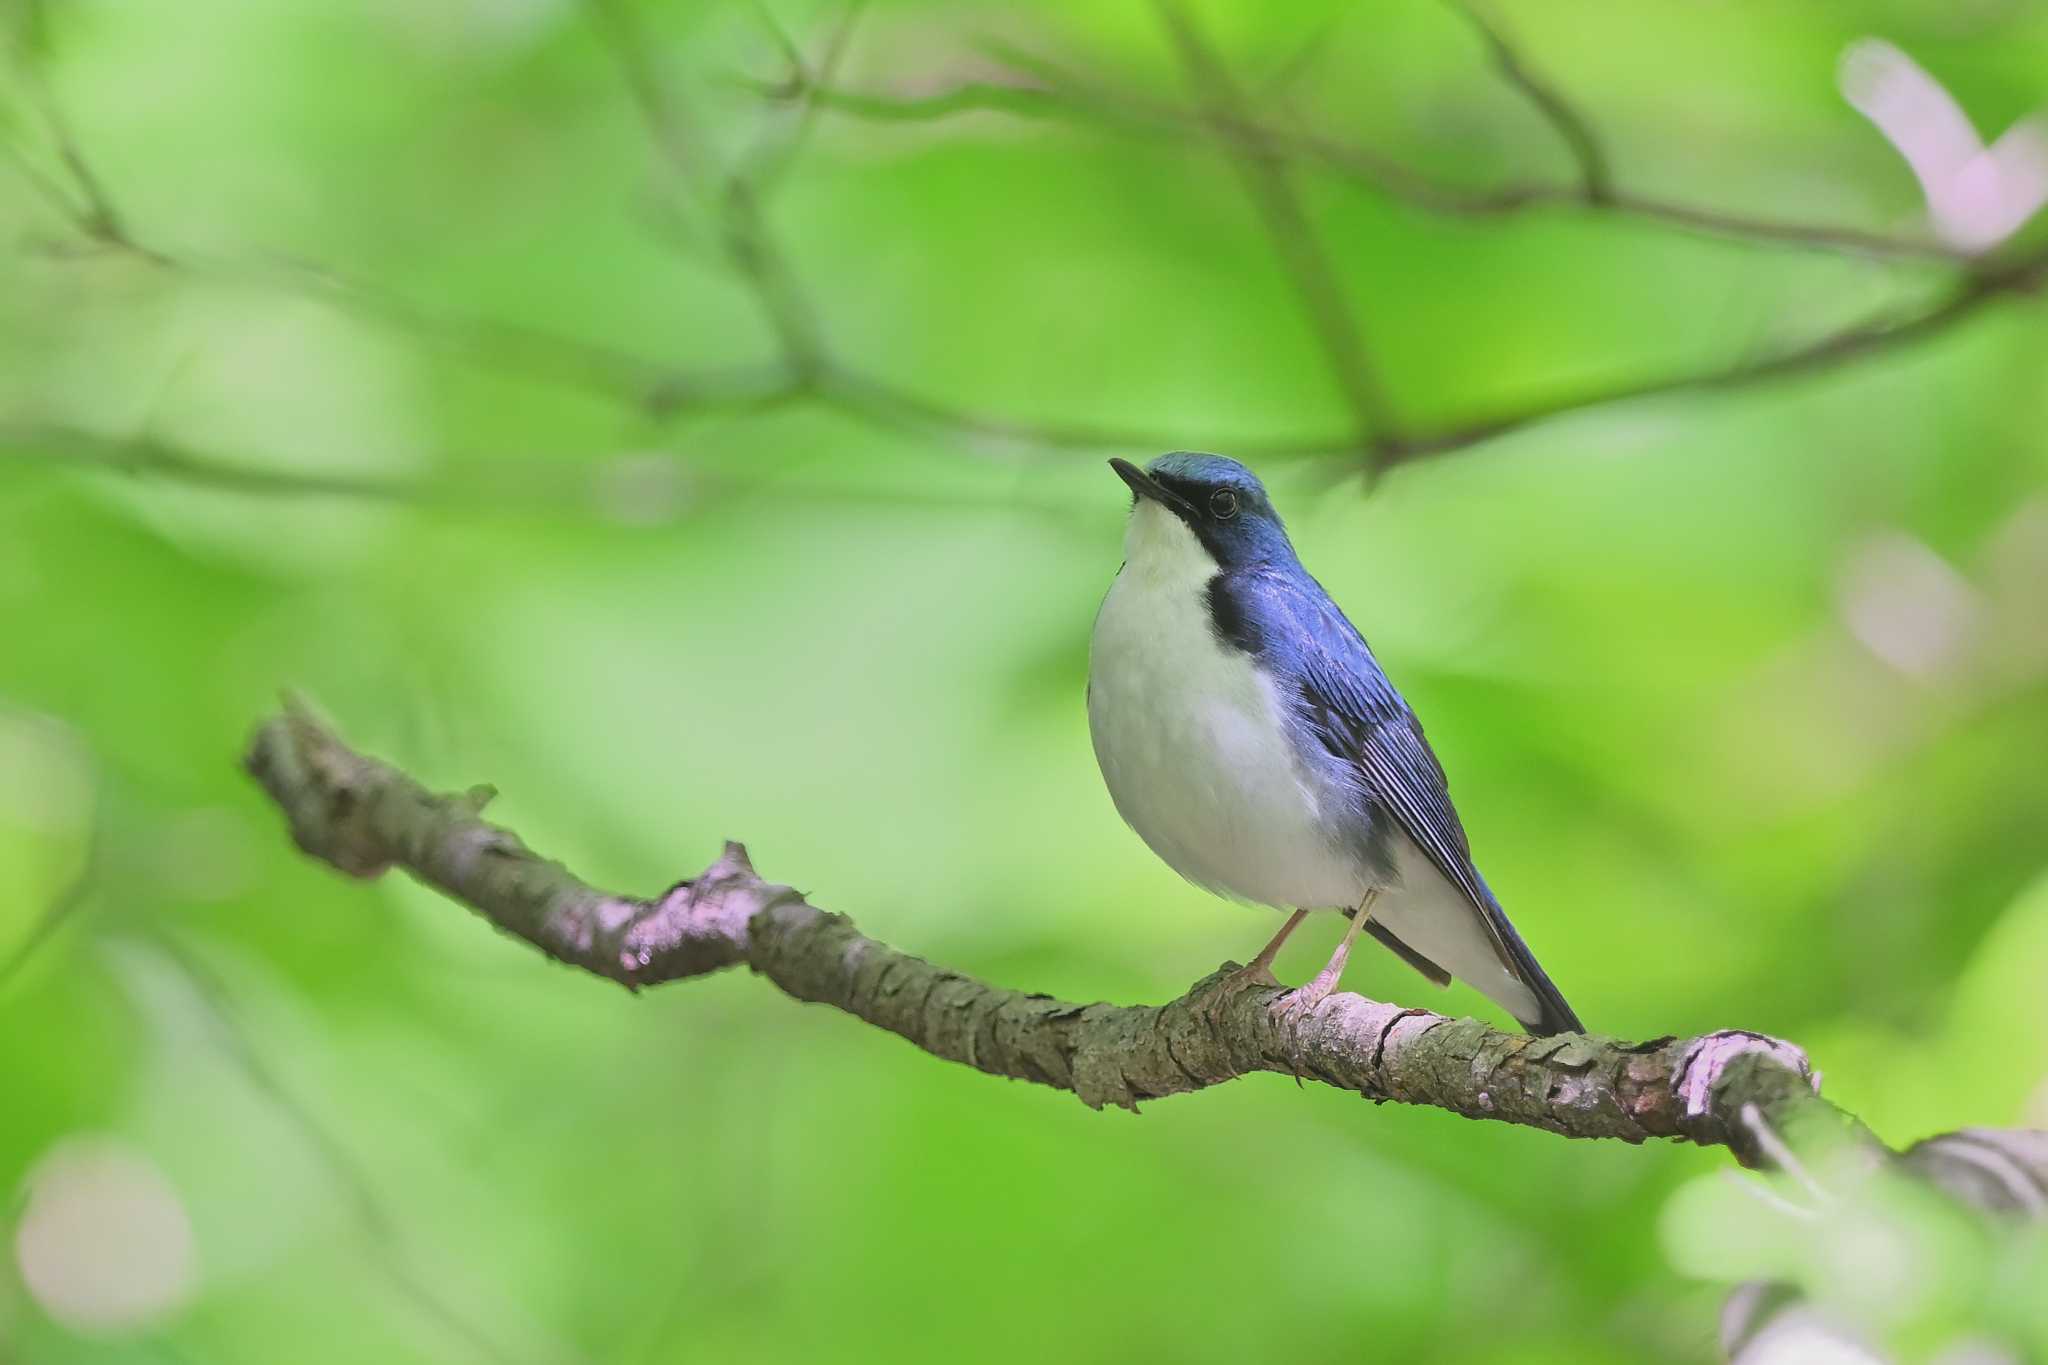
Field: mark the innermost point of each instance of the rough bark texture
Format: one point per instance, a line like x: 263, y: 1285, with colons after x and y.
x: 1735, y: 1089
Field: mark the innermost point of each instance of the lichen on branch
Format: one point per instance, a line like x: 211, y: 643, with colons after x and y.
x: 1736, y: 1089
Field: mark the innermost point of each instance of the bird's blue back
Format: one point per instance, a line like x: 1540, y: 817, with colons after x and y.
x: 1349, y: 726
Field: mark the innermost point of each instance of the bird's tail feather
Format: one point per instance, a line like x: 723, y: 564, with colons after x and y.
x: 1553, y: 1014
x: 1444, y: 930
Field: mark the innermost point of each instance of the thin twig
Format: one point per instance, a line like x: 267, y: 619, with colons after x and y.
x: 882, y: 106
x: 668, y: 124
x: 806, y: 373
x: 776, y: 150
x: 1055, y: 94
x: 145, y: 456
x: 555, y: 488
x: 744, y: 234
x: 1277, y: 84
x: 63, y: 907
x: 99, y: 217
x: 390, y: 1257
x: 1596, y: 180
x: 47, y: 187
x: 1315, y: 278
x: 883, y: 403
x: 2018, y: 276
x: 93, y: 212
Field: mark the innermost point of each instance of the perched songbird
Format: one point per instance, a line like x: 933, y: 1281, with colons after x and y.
x: 1248, y: 735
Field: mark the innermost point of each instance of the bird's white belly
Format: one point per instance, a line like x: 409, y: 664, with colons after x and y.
x: 1191, y: 743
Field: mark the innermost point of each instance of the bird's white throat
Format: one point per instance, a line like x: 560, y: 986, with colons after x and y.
x: 1190, y: 737
x: 1159, y: 547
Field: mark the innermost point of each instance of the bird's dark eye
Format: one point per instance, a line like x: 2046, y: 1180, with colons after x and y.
x: 1223, y: 503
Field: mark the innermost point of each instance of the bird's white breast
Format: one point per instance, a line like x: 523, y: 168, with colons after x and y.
x: 1191, y: 740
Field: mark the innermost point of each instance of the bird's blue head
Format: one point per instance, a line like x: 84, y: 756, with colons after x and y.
x: 1218, y: 500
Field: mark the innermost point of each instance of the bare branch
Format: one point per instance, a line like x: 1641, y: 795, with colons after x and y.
x: 1596, y: 181
x: 1277, y: 83
x: 874, y: 400
x: 610, y: 485
x: 364, y: 816
x: 147, y: 456
x: 668, y: 125
x: 659, y: 388
x: 608, y: 371
x: 1763, y: 231
x: 654, y: 387
x: 379, y: 1227
x: 775, y: 151
x: 883, y: 402
x: 92, y: 210
x: 63, y: 907
x: 805, y: 372
x: 1057, y: 94
x: 2022, y: 275
x: 869, y: 399
x: 1315, y: 278
x: 965, y: 97
x: 734, y: 197
x: 47, y: 187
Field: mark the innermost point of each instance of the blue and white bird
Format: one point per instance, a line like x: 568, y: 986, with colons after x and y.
x: 1250, y: 738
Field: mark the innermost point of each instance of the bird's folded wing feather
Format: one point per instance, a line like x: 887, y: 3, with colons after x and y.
x: 1358, y: 716
x: 1354, y: 712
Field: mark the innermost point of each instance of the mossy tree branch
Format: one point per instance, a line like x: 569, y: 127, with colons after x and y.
x: 1740, y: 1090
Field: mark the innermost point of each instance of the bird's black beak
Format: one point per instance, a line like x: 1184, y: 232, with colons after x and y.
x: 1145, y: 486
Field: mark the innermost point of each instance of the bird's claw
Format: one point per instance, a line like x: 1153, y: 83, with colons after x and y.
x: 1215, y: 1000
x: 1298, y: 1003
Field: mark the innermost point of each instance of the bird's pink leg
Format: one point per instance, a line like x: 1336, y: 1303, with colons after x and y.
x: 1257, y: 972
x: 1260, y: 969
x: 1325, y: 981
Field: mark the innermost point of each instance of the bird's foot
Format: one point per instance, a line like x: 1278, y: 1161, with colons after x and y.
x: 1297, y: 1003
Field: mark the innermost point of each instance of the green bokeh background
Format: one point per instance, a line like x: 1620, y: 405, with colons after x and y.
x: 1744, y: 697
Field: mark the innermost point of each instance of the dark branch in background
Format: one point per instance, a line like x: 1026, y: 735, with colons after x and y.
x: 639, y: 487
x: 1315, y: 279
x: 1734, y: 1089
x: 1596, y: 181
x: 619, y: 25
x: 775, y: 151
x: 391, y: 1259
x: 145, y: 456
x: 732, y: 197
x: 63, y: 907
x: 2021, y: 275
x: 92, y: 212
x: 804, y: 370
x: 1045, y: 90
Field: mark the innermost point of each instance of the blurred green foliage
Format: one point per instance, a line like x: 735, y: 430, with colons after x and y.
x: 1743, y: 695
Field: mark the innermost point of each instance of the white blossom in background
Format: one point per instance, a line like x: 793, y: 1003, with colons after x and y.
x: 104, y: 1245
x: 1977, y: 196
x: 1908, y: 606
x: 1801, y: 1337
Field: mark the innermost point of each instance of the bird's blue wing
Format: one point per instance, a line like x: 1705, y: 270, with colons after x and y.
x: 1353, y: 711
